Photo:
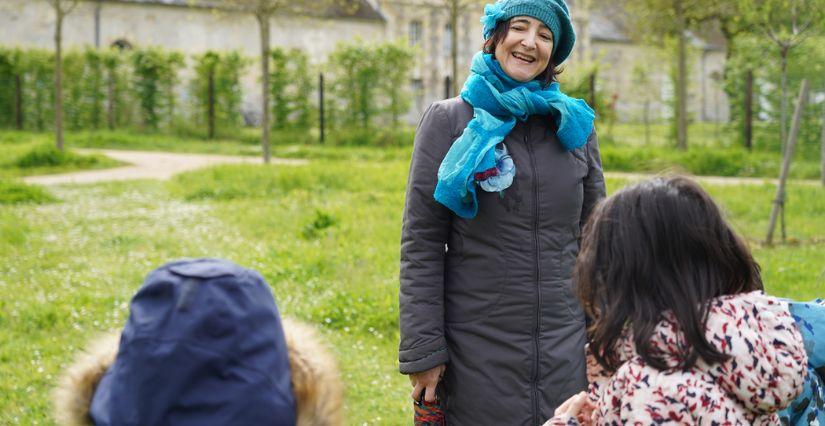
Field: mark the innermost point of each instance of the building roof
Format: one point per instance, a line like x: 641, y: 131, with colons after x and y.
x: 609, y: 24
x: 359, y: 9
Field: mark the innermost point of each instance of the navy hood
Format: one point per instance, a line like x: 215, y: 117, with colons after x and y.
x: 203, y: 345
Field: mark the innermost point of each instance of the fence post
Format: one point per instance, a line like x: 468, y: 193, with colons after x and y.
x: 321, y: 105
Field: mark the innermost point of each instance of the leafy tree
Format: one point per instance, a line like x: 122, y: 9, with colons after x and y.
x: 394, y: 59
x: 661, y: 19
x: 355, y: 71
x: 116, y: 76
x: 12, y: 74
x: 217, y: 89
x: 291, y: 89
x: 155, y: 74
x: 786, y: 23
x: 38, y: 94
x: 644, y: 90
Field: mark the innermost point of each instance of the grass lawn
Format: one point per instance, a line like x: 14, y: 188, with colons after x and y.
x: 711, y: 151
x: 325, y: 236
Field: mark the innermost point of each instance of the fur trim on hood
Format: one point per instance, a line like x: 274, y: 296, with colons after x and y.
x: 315, y: 380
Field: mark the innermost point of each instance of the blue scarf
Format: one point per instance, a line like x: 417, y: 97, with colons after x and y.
x: 498, y: 101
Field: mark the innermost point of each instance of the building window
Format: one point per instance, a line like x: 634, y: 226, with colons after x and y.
x: 415, y: 32
x: 448, y: 39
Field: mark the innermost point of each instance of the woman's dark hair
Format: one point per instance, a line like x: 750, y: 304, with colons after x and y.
x: 500, y: 33
x: 655, y: 247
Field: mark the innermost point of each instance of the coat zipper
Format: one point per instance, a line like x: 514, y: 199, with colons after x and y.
x: 537, y: 327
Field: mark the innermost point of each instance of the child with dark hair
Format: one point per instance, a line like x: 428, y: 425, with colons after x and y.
x: 204, y: 345
x: 681, y: 331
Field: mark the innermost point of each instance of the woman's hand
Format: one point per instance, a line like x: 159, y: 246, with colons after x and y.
x: 578, y: 407
x: 426, y: 381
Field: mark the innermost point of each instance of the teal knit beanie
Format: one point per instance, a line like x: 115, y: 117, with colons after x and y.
x: 553, y: 13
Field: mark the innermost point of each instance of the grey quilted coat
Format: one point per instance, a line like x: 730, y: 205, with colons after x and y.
x: 491, y: 296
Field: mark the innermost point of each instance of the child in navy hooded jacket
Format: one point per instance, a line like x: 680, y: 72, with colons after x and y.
x: 204, y: 345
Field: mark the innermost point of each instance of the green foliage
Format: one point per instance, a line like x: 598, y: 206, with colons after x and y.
x: 12, y: 71
x: 12, y: 192
x: 69, y: 281
x: 805, y: 62
x: 291, y: 85
x: 586, y: 83
x: 363, y: 73
x: 50, y: 156
x: 387, y: 136
x: 119, y: 110
x: 700, y: 160
x: 224, y: 70
x: 394, y: 59
x: 68, y: 270
x: 38, y: 104
x: 155, y: 76
x: 319, y: 223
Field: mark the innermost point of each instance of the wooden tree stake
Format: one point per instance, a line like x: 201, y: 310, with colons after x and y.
x: 779, y: 201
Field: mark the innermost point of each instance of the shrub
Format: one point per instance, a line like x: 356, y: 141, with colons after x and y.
x: 216, y: 90
x: 291, y: 89
x: 13, y: 192
x: 155, y: 75
x: 362, y: 75
x: 49, y: 156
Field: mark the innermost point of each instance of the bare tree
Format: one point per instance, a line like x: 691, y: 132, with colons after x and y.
x: 454, y: 9
x: 264, y: 11
x: 61, y: 9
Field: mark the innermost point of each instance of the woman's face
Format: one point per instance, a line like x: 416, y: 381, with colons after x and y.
x: 525, y: 51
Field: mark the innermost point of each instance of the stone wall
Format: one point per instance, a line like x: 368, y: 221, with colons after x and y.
x: 30, y: 23
x: 193, y: 30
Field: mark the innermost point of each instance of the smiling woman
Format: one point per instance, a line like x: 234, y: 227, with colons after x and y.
x: 501, y: 179
x: 523, y: 46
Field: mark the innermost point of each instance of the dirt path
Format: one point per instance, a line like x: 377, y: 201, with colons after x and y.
x: 148, y: 165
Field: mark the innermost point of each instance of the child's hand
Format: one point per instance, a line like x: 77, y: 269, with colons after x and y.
x: 426, y: 381
x: 577, y: 406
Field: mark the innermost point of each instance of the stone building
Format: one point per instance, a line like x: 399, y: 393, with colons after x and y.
x: 193, y: 26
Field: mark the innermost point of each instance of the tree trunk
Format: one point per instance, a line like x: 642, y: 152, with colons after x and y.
x: 454, y: 44
x: 110, y: 99
x: 783, y: 106
x: 211, y: 103
x: 646, y: 119
x: 58, y: 79
x: 779, y: 201
x: 681, y: 82
x: 18, y: 101
x: 748, y: 128
x: 263, y: 21
x: 321, y: 106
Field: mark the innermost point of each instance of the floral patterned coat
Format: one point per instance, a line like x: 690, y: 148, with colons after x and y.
x: 765, y: 373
